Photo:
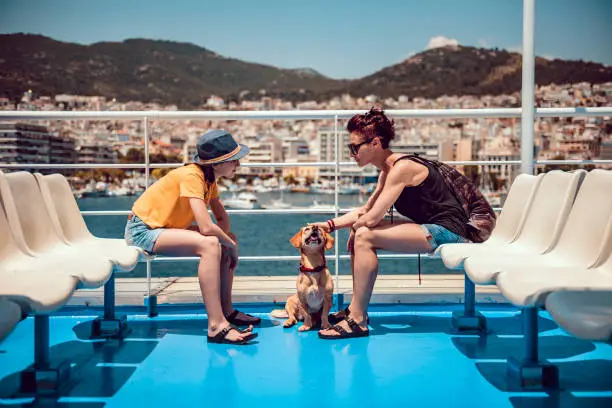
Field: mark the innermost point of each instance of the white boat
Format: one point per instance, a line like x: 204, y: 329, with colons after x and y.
x: 280, y: 203
x: 243, y: 201
x: 330, y: 189
x: 320, y: 206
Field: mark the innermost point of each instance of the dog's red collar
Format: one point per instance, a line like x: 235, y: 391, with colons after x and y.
x: 304, y: 269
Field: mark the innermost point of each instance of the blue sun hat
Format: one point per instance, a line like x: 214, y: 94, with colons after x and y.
x: 218, y: 146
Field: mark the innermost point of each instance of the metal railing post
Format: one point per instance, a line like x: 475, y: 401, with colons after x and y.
x: 336, y: 211
x: 151, y: 301
x: 528, y: 85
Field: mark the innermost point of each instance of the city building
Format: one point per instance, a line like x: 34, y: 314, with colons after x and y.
x: 33, y: 144
x: 294, y: 148
x: 605, y: 152
x: 264, y: 149
x: 95, y: 153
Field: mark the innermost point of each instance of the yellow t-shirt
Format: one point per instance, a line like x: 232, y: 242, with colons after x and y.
x: 166, y: 203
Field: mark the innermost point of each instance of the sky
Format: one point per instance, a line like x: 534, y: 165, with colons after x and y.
x: 338, y: 38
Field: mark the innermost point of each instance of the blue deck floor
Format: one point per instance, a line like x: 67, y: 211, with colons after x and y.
x: 411, y: 359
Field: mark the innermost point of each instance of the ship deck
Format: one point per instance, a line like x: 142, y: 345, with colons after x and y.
x: 412, y: 358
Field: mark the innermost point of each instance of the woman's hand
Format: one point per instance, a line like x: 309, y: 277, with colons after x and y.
x: 360, y: 221
x: 322, y: 226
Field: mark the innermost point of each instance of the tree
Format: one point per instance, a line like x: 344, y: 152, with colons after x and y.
x: 133, y: 156
x: 290, y: 180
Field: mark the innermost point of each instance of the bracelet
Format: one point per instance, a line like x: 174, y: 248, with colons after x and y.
x: 331, y: 225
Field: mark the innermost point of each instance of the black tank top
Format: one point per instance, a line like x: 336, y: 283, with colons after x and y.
x: 432, y: 202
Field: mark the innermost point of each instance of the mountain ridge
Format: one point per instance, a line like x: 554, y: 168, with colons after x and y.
x: 186, y: 74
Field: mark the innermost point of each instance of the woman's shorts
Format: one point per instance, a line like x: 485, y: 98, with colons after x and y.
x: 437, y: 235
x: 139, y: 234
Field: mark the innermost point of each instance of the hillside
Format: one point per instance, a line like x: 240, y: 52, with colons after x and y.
x: 185, y: 74
x: 472, y: 71
x: 145, y: 70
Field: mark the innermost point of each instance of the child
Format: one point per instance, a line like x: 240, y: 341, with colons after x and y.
x: 161, y: 223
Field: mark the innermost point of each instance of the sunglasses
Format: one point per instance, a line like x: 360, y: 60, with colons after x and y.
x: 354, y: 148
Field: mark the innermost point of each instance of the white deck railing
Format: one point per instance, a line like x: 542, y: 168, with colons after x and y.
x: 145, y: 116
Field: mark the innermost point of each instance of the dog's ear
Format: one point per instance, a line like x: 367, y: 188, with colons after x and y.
x: 296, y: 240
x: 329, y: 241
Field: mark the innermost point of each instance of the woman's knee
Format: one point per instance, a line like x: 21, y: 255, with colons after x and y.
x: 209, y: 246
x: 363, y: 237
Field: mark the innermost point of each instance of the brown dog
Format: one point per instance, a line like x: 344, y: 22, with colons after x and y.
x: 315, y: 286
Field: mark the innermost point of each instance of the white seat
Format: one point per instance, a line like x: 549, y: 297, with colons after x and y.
x: 39, y: 284
x: 10, y: 315
x: 584, y: 314
x: 530, y: 286
x: 583, y: 257
x: 35, y: 290
x: 67, y: 218
x: 35, y: 236
x: 507, y: 227
x: 546, y: 221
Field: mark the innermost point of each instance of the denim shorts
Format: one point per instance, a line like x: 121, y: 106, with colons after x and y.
x: 139, y: 234
x: 438, y: 235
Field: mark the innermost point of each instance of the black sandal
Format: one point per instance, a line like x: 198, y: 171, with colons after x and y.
x: 356, y: 331
x: 242, y: 319
x: 220, y: 337
x: 335, y: 318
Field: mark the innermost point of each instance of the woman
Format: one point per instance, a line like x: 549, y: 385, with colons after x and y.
x: 416, y: 190
x: 161, y: 223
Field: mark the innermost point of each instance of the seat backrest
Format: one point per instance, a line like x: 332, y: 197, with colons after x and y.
x: 513, y: 214
x: 584, y: 235
x: 604, y: 263
x: 8, y: 248
x: 64, y: 210
x: 549, y: 211
x: 29, y: 216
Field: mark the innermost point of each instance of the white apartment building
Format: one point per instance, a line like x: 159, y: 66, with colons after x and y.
x: 95, y: 153
x: 266, y: 149
x: 294, y: 148
x: 432, y: 151
x: 327, y: 153
x: 26, y: 143
x: 505, y: 172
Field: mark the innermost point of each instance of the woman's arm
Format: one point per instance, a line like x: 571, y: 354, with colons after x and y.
x: 349, y: 218
x: 379, y: 188
x: 205, y: 223
x: 388, y: 194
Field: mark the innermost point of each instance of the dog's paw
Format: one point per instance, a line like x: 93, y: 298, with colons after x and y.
x: 289, y: 323
x: 304, y: 328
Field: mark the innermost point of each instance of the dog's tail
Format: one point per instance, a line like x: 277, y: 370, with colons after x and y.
x: 279, y: 314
